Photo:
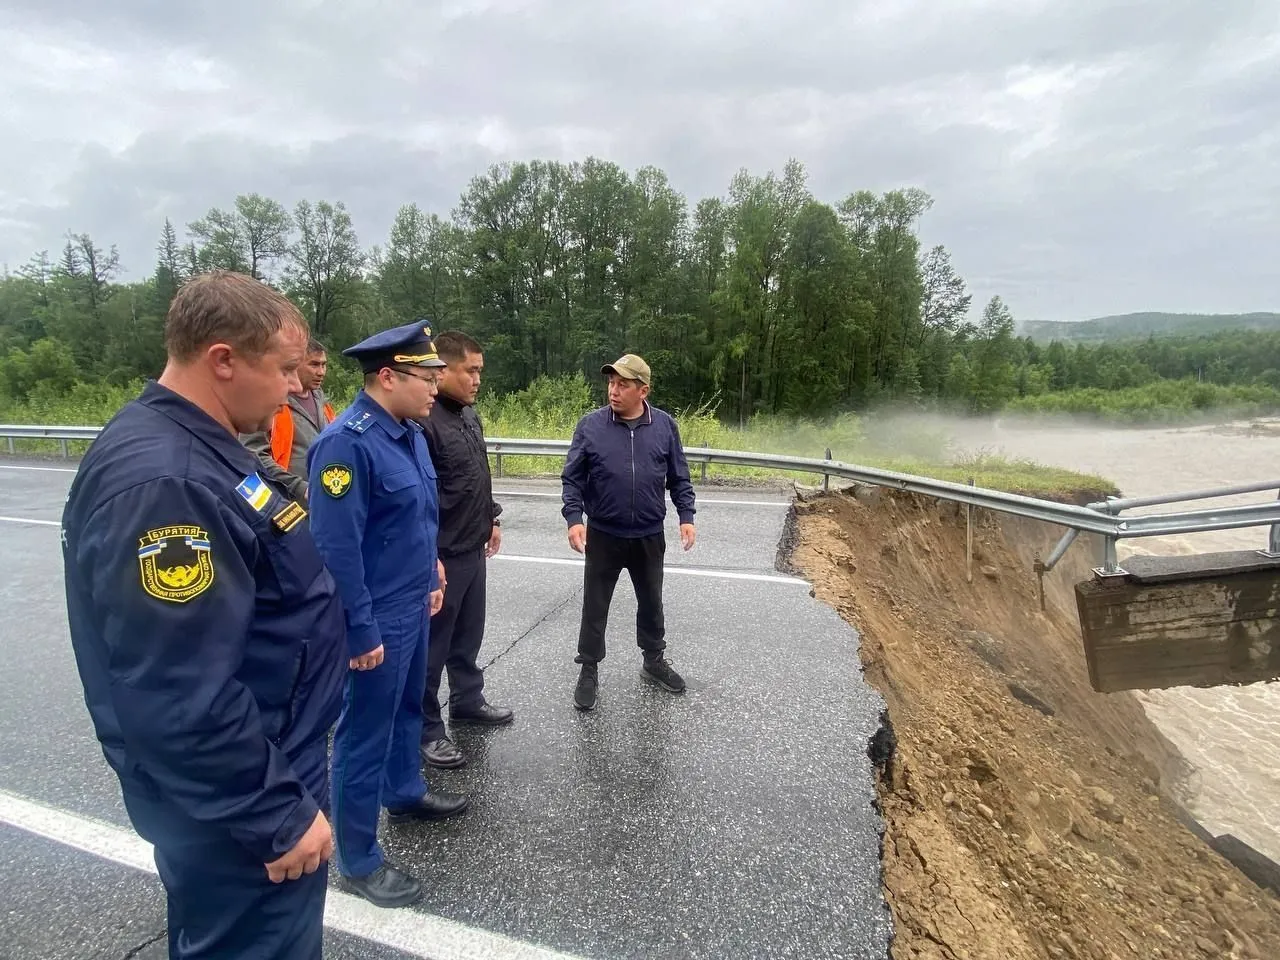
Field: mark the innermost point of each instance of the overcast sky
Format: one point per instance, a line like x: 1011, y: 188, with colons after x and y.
x: 1085, y: 157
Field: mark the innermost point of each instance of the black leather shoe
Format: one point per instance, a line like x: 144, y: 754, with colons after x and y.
x: 386, y: 887
x: 584, y: 694
x: 435, y: 805
x: 486, y: 715
x: 442, y: 753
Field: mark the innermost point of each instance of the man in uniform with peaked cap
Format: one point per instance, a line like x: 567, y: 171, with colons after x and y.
x: 375, y: 518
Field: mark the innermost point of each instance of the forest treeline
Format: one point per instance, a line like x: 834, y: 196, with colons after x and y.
x: 762, y: 301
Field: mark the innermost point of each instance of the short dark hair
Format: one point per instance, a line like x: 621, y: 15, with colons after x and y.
x: 314, y: 346
x: 232, y: 308
x: 454, y: 345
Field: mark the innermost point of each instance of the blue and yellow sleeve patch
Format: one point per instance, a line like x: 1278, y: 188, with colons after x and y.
x: 255, y: 491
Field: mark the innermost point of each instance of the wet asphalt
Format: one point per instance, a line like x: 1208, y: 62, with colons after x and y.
x: 734, y: 820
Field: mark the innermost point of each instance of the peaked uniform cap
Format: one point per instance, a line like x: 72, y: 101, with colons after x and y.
x: 407, y: 345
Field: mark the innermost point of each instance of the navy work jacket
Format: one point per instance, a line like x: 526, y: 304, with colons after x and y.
x: 207, y: 632
x: 375, y: 516
x: 618, y: 476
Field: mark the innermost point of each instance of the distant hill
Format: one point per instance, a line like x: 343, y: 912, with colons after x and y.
x: 1141, y: 325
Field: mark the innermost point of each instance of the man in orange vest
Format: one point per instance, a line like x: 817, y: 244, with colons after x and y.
x: 283, y: 443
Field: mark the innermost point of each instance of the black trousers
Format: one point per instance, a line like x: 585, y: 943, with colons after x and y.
x: 607, y: 556
x: 456, y: 633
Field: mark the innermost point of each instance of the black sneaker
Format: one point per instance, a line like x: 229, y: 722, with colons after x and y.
x: 584, y: 694
x: 659, y: 671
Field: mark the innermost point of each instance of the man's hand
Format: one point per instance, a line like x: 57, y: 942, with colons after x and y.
x: 440, y: 572
x: 578, y: 537
x: 687, y: 535
x: 436, y: 601
x: 367, y: 661
x: 315, y: 847
x: 495, y: 543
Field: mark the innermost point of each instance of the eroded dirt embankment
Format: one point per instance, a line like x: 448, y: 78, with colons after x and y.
x: 1027, y: 816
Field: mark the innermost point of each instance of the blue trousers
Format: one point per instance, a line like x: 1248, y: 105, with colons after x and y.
x: 220, y: 901
x: 222, y: 905
x: 375, y: 747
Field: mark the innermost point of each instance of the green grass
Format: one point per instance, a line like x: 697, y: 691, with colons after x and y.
x: 549, y: 409
x: 1161, y: 402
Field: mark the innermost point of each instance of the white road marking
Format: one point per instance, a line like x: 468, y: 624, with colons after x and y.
x: 410, y: 931
x: 10, y: 466
x: 679, y: 570
x: 676, y: 569
x: 732, y: 503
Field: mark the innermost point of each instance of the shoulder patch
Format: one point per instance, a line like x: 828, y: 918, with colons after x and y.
x: 254, y: 490
x: 361, y: 423
x: 175, y: 563
x: 336, y: 479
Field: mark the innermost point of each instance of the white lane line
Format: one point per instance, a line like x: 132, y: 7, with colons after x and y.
x: 417, y: 934
x: 732, y: 503
x: 41, y: 523
x: 499, y: 493
x: 680, y: 570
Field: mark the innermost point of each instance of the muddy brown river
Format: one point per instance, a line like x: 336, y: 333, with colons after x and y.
x: 1230, y: 735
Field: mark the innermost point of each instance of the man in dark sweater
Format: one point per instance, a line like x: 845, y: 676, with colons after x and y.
x: 470, y: 533
x: 623, y: 459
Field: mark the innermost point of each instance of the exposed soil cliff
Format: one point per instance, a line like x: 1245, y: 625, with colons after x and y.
x: 1027, y: 816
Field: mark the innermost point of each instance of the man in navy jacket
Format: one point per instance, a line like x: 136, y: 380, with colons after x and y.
x: 208, y: 634
x: 623, y: 459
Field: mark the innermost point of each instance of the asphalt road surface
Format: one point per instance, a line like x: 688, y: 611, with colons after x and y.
x: 733, y: 821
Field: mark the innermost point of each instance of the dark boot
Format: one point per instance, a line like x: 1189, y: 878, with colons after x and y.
x: 435, y: 805
x: 442, y: 753
x: 386, y: 887
x: 584, y: 694
x: 659, y: 671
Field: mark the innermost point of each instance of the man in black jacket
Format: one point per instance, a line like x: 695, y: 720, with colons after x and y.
x: 622, y: 460
x: 470, y: 533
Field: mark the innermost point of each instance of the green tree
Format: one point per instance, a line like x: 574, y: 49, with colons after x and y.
x: 324, y: 263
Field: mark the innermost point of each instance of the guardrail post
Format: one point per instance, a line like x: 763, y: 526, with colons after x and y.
x: 826, y: 477
x: 62, y: 444
x: 10, y: 440
x: 1273, y: 543
x: 968, y: 539
x: 704, y: 471
x: 498, y: 463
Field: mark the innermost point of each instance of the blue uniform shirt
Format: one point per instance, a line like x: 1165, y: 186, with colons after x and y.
x: 208, y: 635
x: 375, y: 516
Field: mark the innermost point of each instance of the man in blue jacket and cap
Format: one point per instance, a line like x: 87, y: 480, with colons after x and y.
x: 622, y: 460
x: 375, y: 518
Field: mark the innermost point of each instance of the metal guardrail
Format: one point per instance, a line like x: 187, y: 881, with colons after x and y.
x: 1101, y: 518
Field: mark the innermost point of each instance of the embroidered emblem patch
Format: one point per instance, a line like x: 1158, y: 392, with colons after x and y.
x: 336, y: 479
x: 289, y: 517
x: 255, y: 490
x: 175, y: 563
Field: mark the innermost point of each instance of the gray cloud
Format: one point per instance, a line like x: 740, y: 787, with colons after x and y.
x: 1084, y: 157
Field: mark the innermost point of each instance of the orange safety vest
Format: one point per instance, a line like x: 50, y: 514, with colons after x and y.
x: 282, y: 433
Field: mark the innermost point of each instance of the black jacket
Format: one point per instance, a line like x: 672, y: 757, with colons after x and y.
x: 467, y: 508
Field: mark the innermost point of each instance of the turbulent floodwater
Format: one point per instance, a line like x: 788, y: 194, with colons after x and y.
x: 1230, y: 735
